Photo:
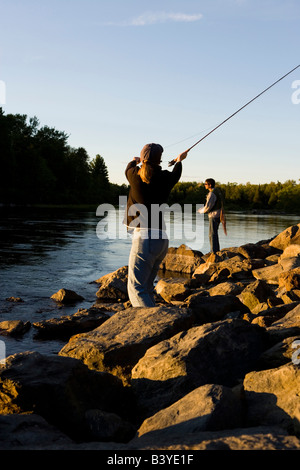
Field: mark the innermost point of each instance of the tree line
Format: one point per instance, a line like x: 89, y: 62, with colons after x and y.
x: 276, y: 197
x: 38, y: 166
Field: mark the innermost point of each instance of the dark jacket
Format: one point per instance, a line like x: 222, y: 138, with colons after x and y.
x: 150, y: 195
x: 219, y: 201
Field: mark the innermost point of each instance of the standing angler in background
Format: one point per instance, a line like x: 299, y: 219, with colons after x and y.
x: 150, y: 187
x: 214, y: 209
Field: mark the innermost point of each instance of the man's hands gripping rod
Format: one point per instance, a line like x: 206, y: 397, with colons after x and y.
x: 180, y: 157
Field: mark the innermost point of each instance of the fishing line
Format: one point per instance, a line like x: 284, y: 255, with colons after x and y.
x: 188, y: 138
x: 236, y: 112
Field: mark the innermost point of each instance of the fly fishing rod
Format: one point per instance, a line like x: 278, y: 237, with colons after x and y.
x: 171, y: 163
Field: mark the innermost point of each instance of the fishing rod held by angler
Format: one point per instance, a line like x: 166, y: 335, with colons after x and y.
x: 171, y: 163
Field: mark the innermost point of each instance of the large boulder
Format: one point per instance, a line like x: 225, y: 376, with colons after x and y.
x: 290, y: 279
x: 272, y: 274
x: 272, y: 397
x: 207, y: 408
x: 173, y: 289
x: 289, y: 236
x: 291, y: 251
x: 61, y: 390
x: 182, y: 260
x: 236, y: 268
x: 220, y: 352
x: 279, y: 354
x: 226, y: 288
x: 113, y: 286
x: 213, y: 308
x: 258, y: 295
x: 253, y: 250
x: 266, y: 317
x: 285, y: 327
x: 268, y: 274
x: 118, y: 344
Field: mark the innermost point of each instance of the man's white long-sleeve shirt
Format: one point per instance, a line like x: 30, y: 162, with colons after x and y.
x: 211, y: 200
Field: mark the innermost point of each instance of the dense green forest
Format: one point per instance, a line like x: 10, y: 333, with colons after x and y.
x: 38, y: 166
x: 279, y: 197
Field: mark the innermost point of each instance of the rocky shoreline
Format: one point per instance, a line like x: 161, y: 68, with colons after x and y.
x: 214, y: 366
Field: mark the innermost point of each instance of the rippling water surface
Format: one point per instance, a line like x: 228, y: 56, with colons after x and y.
x: 43, y: 251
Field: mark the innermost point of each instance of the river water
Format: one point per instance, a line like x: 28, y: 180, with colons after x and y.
x: 44, y: 250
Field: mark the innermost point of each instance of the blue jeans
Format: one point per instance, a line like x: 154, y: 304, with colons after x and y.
x: 214, y: 223
x: 145, y: 258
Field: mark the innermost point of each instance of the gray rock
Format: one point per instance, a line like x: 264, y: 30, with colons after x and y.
x: 182, y: 260
x: 213, y: 308
x: 235, y: 268
x: 278, y: 355
x: 226, y: 288
x: 253, y: 250
x: 118, y: 344
x: 287, y: 326
x: 173, y: 289
x: 207, y: 408
x: 290, y: 279
x: 287, y: 237
x: 220, y: 352
x: 291, y: 251
x: 268, y: 274
x: 268, y: 316
x: 258, y: 294
x: 113, y: 286
x: 272, y: 397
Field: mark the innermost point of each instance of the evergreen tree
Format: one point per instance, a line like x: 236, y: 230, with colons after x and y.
x: 100, y: 186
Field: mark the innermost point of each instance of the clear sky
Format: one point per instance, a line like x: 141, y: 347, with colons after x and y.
x: 117, y: 74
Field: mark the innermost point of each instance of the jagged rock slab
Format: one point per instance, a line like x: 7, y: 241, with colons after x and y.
x: 118, y: 344
x: 113, y: 286
x: 287, y: 326
x: 272, y: 397
x: 214, y: 308
x: 182, y: 260
x: 287, y: 237
x: 210, y: 407
x: 220, y: 352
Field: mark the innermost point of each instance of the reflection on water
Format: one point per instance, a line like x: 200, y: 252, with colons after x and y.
x: 43, y: 251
